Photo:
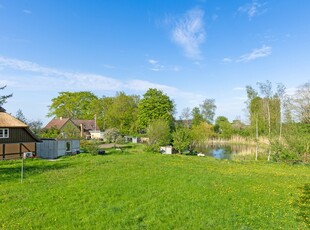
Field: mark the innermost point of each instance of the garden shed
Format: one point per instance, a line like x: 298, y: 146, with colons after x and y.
x: 54, y: 148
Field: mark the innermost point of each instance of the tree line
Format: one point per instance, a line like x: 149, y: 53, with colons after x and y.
x: 283, y: 119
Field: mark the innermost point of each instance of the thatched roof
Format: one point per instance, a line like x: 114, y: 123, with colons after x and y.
x: 2, y: 109
x: 8, y: 121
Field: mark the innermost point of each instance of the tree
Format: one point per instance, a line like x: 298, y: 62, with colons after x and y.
x: 200, y: 134
x: 181, y: 139
x: 158, y: 133
x: 208, y: 108
x: 34, y: 125
x: 153, y: 106
x: 197, y: 116
x: 4, y: 97
x: 186, y: 116
x: 122, y: 113
x: 20, y: 116
x: 301, y: 103
x: 223, y: 127
x: 77, y: 105
x: 111, y: 135
x: 265, y: 111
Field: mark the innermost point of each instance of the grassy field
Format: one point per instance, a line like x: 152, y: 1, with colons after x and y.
x: 136, y: 190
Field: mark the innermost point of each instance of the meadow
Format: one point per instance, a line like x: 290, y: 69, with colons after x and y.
x: 132, y: 189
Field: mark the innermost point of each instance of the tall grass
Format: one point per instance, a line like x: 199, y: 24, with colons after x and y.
x: 239, y: 140
x: 130, y: 189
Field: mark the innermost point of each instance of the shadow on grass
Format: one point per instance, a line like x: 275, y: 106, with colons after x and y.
x: 303, y: 205
x: 11, y: 171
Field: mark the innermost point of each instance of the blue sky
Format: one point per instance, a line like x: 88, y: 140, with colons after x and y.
x: 191, y: 50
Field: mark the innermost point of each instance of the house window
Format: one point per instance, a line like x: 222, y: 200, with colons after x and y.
x: 4, y: 133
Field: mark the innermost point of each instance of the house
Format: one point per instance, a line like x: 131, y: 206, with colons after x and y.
x: 96, y: 134
x: 54, y: 148
x: 15, y: 137
x: 71, y: 128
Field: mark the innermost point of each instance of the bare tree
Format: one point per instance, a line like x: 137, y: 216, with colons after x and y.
x: 186, y: 116
x: 301, y: 103
x: 4, y: 97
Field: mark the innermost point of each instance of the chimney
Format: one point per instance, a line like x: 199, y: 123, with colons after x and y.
x: 60, y: 118
x: 81, y: 130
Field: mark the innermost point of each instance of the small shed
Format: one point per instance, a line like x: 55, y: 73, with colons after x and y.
x: 54, y: 148
x: 166, y: 149
x: 136, y: 140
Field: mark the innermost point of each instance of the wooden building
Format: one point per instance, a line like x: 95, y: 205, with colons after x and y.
x: 15, y: 137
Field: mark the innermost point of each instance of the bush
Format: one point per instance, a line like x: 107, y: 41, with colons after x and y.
x: 158, y: 133
x: 90, y: 146
x: 111, y: 135
x: 280, y: 152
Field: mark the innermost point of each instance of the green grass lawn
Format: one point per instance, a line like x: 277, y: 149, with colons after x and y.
x: 136, y: 190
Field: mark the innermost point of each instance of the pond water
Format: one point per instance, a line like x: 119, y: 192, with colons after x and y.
x: 231, y: 151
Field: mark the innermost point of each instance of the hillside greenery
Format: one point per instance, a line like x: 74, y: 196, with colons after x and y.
x: 132, y: 189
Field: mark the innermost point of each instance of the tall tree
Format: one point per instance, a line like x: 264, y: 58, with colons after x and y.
x: 301, y: 103
x: 4, y: 97
x: 197, y: 116
x: 153, y: 106
x: 186, y: 116
x: 122, y: 113
x: 265, y: 111
x: 208, y: 108
x: 73, y: 105
x: 223, y: 127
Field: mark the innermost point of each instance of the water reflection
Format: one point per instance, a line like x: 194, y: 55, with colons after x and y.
x: 230, y: 151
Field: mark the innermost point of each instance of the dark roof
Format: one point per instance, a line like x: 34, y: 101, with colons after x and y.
x: 87, y: 124
x: 57, y: 123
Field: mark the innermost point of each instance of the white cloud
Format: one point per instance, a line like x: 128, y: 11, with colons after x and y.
x: 253, y: 9
x: 69, y: 79
x: 227, y: 60
x: 27, y: 11
x: 264, y: 51
x: 239, y: 88
x: 38, y: 78
x: 153, y: 62
x: 108, y: 66
x: 189, y: 33
x: 157, y: 66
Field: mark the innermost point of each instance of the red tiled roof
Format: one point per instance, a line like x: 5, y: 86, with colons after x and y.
x: 57, y: 123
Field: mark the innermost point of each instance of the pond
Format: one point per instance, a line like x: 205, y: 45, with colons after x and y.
x: 231, y: 151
